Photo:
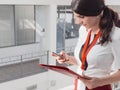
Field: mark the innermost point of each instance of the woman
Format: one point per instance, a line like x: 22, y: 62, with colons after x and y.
x: 97, y: 50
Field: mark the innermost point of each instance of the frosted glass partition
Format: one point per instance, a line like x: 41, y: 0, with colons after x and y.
x: 25, y: 24
x: 66, y: 27
x: 17, y: 25
x: 6, y: 26
x: 66, y: 22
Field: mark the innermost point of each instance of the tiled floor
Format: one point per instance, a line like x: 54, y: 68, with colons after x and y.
x: 67, y: 88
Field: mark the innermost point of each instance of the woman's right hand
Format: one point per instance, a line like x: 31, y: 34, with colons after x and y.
x: 61, y: 57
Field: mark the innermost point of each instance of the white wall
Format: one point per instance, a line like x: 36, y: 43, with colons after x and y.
x: 48, y: 2
x: 37, y: 2
x: 112, y: 2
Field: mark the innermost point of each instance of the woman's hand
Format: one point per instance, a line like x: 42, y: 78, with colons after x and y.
x: 61, y: 57
x: 92, y: 82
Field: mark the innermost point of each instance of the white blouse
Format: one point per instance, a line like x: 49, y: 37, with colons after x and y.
x: 101, y: 59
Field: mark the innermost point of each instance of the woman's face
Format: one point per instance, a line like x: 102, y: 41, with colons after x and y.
x: 88, y: 22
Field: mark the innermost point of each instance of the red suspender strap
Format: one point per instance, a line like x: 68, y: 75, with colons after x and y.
x: 86, y: 49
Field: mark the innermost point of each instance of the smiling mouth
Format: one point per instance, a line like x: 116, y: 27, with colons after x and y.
x: 84, y: 24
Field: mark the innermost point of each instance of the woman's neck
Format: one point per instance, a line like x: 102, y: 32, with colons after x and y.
x: 95, y: 30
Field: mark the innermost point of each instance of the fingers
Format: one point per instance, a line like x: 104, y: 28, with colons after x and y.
x: 60, y: 57
x: 62, y: 53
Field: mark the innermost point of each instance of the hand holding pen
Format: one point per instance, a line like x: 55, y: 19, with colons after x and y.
x: 61, y: 58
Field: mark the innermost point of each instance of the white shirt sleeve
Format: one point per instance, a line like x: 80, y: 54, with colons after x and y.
x: 116, y: 54
x: 116, y: 49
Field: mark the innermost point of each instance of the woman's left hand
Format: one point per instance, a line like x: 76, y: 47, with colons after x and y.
x: 92, y: 82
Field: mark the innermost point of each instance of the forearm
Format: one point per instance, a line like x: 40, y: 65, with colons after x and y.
x: 115, y: 77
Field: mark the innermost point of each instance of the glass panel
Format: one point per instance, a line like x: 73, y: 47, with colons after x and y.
x: 41, y: 20
x: 60, y: 35
x: 24, y: 24
x: 66, y: 17
x: 66, y: 27
x: 6, y: 26
x: 60, y: 29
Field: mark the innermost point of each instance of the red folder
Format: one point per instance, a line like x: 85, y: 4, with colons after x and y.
x: 63, y: 70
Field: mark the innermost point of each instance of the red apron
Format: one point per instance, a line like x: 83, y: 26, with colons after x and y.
x: 105, y: 87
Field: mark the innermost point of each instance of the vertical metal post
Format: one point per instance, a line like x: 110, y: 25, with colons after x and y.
x: 21, y: 66
x: 64, y: 33
x: 47, y: 56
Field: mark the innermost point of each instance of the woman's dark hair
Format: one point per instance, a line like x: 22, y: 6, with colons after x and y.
x: 88, y: 7
x: 108, y: 20
x: 94, y: 8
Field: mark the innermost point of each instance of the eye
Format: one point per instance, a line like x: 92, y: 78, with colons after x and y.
x: 81, y: 16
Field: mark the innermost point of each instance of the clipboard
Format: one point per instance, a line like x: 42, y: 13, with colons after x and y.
x: 63, y: 70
